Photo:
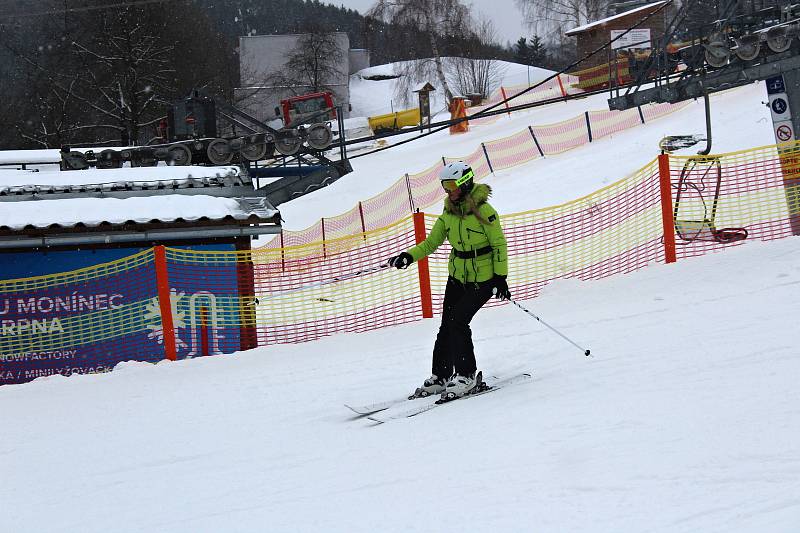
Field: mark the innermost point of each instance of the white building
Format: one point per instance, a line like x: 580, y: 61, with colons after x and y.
x: 262, y: 56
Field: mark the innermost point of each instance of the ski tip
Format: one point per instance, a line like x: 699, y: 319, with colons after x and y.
x: 356, y: 410
x: 377, y: 420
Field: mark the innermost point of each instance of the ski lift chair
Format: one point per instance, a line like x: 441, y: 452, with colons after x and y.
x: 703, y: 228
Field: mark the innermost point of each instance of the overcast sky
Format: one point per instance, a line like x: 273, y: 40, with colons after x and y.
x: 505, y: 15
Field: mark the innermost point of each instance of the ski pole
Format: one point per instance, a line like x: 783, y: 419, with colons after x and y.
x: 336, y: 279
x: 554, y: 330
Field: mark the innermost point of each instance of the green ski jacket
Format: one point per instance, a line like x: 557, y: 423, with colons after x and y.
x: 471, y: 225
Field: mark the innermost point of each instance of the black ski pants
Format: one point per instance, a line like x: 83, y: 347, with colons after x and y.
x: 453, y: 352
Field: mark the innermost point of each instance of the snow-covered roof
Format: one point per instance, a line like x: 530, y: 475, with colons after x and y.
x: 418, y: 87
x: 12, y: 178
x: 107, y: 212
x: 27, y: 157
x: 85, y: 199
x: 591, y: 25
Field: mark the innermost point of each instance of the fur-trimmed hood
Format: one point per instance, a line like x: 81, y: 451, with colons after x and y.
x: 478, y: 196
x: 471, y: 225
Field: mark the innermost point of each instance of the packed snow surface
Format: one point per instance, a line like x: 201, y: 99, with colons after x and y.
x: 370, y: 95
x: 739, y: 121
x: 685, y: 419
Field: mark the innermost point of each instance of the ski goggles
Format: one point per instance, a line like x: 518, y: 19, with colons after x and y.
x: 452, y: 185
x: 449, y: 185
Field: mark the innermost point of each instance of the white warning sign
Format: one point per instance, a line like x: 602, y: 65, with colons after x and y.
x: 784, y: 132
x: 779, y: 107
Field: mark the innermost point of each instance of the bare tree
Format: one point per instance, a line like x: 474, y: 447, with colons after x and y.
x: 551, y: 17
x: 36, y: 110
x: 314, y: 63
x: 53, y: 126
x: 104, y: 75
x: 126, y: 72
x: 438, y: 19
x: 471, y: 72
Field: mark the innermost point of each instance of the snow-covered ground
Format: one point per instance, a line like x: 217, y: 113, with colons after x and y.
x: 686, y: 419
x: 370, y: 97
x: 739, y: 121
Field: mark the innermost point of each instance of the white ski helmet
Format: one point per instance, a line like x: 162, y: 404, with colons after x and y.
x: 461, y: 173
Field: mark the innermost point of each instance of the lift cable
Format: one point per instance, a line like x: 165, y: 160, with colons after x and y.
x: 484, y: 112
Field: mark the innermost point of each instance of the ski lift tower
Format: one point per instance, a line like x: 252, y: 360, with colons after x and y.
x: 750, y: 40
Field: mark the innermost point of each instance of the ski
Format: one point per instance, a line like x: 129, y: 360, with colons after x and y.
x: 491, y: 385
x: 368, y: 409
x: 375, y: 407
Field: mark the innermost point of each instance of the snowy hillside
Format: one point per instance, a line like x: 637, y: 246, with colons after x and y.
x: 686, y: 419
x: 739, y: 121
x: 371, y: 96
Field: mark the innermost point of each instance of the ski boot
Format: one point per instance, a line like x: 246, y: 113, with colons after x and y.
x: 432, y: 385
x: 460, y: 386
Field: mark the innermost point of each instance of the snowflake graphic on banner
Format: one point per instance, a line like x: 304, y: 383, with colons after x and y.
x: 152, y: 317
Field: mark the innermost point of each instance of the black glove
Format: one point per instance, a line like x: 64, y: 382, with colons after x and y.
x: 500, y: 287
x: 401, y: 261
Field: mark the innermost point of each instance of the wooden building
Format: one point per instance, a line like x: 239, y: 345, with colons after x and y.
x: 619, y: 61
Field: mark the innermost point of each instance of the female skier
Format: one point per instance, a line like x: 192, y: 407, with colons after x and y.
x: 477, y: 268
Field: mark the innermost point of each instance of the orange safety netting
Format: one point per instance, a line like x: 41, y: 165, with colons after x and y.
x: 721, y: 201
x: 180, y: 303
x: 418, y: 191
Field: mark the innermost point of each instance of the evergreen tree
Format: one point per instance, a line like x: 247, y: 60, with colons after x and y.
x: 537, y: 51
x: 530, y: 51
x: 521, y: 51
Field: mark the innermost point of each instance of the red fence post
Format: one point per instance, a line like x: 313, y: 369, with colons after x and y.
x: 561, y: 86
x: 245, y: 281
x: 666, y: 208
x: 422, y: 268
x: 505, y: 99
x: 164, y: 302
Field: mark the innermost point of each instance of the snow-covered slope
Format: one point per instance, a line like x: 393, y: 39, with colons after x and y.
x: 371, y: 96
x: 739, y: 121
x: 685, y: 419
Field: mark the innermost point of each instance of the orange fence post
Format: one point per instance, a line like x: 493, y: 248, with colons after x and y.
x: 164, y: 302
x: 458, y: 109
x: 666, y: 208
x: 505, y: 99
x: 561, y: 85
x: 422, y: 267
